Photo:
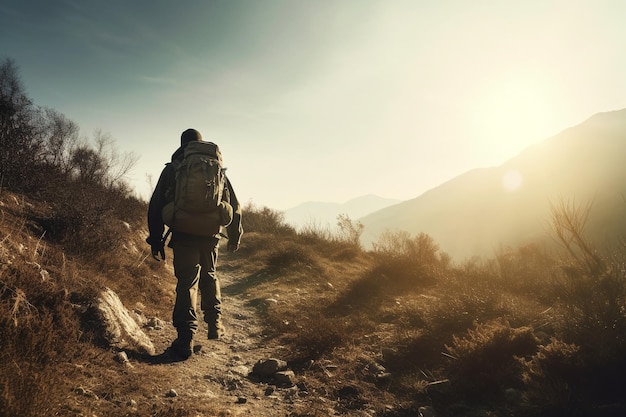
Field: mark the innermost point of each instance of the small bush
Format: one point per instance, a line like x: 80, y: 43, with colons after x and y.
x: 551, y: 374
x: 484, y: 360
x: 289, y: 254
x: 349, y: 231
x: 315, y: 232
x: 458, y: 312
x: 319, y: 336
x: 408, y: 257
x: 265, y: 220
x: 39, y: 329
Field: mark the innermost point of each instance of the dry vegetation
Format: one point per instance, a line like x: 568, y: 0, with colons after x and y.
x: 390, y: 330
x: 527, y: 333
x: 65, y: 232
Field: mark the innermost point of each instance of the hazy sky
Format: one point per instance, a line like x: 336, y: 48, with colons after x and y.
x: 322, y: 100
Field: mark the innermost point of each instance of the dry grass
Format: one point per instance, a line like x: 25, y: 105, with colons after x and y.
x: 45, y: 298
x: 502, y: 334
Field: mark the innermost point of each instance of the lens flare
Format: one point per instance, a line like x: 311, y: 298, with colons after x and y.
x: 512, y: 180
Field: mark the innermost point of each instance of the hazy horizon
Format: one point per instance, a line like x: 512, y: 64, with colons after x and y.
x: 326, y: 100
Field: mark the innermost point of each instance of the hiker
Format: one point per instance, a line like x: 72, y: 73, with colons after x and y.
x: 196, y: 232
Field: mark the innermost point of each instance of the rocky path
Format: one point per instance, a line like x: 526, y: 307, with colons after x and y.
x: 217, y: 380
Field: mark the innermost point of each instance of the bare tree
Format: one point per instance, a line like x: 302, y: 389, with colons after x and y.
x: 116, y: 165
x: 18, y: 147
x: 61, y: 136
x: 101, y: 163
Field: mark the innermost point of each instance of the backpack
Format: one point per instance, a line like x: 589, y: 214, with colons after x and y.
x: 199, y: 206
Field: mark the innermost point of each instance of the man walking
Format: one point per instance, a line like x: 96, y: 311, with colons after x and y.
x: 196, y: 199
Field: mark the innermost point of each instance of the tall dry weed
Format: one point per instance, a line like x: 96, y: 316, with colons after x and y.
x: 592, y: 285
x: 39, y: 329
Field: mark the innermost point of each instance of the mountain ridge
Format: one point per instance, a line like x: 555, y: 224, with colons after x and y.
x: 473, y: 214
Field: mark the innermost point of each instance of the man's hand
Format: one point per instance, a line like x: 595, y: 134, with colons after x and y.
x: 157, y: 247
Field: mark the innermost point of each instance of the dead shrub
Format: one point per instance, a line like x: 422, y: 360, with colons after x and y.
x: 551, y: 375
x: 455, y: 312
x: 521, y: 270
x: 564, y: 377
x: 265, y: 220
x: 483, y: 361
x: 39, y: 329
x: 349, y: 231
x: 400, y: 248
x: 591, y: 288
x: 418, y: 351
x: 88, y: 219
x: 385, y: 280
x: 290, y: 254
x: 319, y: 336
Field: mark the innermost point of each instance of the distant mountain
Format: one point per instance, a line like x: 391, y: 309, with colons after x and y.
x: 325, y: 214
x: 475, y: 214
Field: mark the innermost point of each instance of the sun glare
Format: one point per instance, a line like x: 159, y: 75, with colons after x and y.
x: 512, y: 180
x: 511, y: 116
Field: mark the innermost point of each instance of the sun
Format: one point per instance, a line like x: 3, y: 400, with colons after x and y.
x: 510, y: 115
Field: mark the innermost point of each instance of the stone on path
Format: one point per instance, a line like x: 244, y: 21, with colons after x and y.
x: 268, y: 367
x: 121, y: 330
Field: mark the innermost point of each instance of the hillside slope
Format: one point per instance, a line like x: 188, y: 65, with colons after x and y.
x: 476, y: 214
x: 56, y: 355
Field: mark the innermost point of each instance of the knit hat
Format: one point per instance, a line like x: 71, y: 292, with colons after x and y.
x: 190, y: 135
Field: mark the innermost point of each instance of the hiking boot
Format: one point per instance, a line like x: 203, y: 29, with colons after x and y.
x: 181, y: 348
x: 216, y: 329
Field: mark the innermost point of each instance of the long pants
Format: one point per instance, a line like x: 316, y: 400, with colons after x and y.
x: 194, y: 267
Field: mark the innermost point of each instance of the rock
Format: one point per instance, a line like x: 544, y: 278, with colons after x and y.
x: 155, y: 323
x: 121, y: 329
x: 171, y: 393
x: 242, y: 400
x: 377, y: 368
x: 286, y: 378
x: 268, y: 367
x: 384, y: 376
x: 121, y: 357
x: 241, y: 370
x: 426, y: 411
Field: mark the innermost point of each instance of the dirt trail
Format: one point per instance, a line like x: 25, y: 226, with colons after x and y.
x: 216, y: 379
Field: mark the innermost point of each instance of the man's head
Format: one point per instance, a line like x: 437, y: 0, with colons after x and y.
x: 190, y: 135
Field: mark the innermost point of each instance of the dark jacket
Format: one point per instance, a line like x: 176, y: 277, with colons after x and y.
x: 163, y: 194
